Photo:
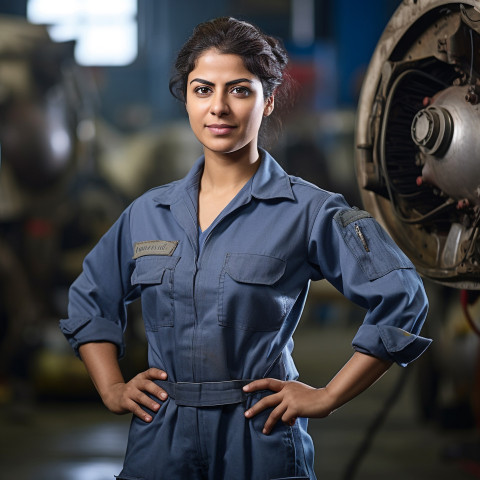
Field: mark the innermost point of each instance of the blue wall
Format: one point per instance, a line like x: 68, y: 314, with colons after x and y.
x: 358, y: 26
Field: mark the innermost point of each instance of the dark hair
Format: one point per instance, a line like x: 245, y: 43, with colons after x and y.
x: 263, y: 55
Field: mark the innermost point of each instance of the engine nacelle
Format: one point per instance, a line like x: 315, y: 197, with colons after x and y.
x: 417, y: 145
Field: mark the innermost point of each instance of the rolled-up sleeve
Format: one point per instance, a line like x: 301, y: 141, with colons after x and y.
x: 98, y: 297
x: 356, y: 255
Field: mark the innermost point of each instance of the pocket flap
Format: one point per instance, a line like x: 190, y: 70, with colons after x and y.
x: 150, y: 269
x: 256, y: 269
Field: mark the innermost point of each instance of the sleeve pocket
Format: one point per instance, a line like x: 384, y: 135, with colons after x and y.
x: 374, y: 250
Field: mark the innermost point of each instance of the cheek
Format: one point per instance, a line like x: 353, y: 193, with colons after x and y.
x: 256, y: 117
x: 196, y: 109
x: 192, y: 117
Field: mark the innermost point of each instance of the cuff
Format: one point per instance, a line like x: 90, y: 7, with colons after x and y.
x: 391, y: 343
x: 97, y: 329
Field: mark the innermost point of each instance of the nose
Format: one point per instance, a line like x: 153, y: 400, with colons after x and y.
x: 219, y: 106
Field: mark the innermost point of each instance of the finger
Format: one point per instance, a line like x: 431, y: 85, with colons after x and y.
x: 143, y: 399
x: 266, y: 402
x: 273, y: 418
x: 156, y: 374
x: 289, y: 418
x: 145, y: 382
x: 272, y: 384
x: 139, y: 412
x: 159, y: 393
x: 156, y: 391
x: 290, y: 414
x: 152, y: 388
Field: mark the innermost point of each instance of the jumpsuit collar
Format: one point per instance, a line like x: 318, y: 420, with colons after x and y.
x: 270, y: 181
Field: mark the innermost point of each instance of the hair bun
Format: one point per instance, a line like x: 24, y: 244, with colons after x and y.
x: 278, y: 50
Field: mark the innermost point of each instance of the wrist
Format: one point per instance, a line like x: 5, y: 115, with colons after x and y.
x: 332, y: 399
x: 109, y: 389
x: 110, y: 394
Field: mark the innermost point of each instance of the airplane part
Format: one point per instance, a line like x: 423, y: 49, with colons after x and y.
x: 417, y: 147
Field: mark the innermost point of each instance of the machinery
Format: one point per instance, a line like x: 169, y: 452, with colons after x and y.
x: 417, y: 148
x: 65, y: 177
x: 54, y: 204
x: 417, y: 158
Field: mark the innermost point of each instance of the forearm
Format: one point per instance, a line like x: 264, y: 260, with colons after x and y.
x: 100, y: 359
x: 359, y: 373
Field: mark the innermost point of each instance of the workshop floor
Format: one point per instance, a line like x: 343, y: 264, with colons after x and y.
x: 82, y: 441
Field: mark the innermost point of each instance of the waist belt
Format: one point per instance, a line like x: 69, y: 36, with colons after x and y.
x: 205, y: 394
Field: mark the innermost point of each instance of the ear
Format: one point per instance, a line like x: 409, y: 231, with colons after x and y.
x: 269, y: 106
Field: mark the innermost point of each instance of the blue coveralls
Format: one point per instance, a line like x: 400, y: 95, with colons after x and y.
x: 217, y: 319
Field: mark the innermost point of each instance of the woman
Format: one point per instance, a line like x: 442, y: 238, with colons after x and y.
x: 222, y: 261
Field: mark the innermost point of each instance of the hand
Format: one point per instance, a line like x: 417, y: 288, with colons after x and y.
x: 291, y: 400
x: 128, y: 397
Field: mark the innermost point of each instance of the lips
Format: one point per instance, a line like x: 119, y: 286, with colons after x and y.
x: 220, y: 129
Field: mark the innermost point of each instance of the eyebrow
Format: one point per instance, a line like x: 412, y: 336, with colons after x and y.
x: 231, y: 82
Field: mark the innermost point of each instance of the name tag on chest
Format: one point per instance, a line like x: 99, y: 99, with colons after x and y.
x: 154, y: 247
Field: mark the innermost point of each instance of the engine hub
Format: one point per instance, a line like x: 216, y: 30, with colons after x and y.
x: 446, y: 134
x: 432, y: 130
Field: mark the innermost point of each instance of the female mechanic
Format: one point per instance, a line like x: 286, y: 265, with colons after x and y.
x: 222, y: 261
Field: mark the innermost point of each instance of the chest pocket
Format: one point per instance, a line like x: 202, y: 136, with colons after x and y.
x: 248, y: 294
x: 155, y: 275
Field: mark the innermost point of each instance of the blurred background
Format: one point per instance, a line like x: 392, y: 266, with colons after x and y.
x: 87, y: 124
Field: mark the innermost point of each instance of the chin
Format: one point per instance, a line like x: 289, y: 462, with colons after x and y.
x: 225, y: 148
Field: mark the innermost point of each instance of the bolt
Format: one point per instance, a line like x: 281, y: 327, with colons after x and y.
x: 471, y: 98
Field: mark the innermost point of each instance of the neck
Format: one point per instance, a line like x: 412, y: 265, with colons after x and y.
x: 224, y: 171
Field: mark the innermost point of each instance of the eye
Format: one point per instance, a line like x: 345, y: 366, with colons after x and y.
x: 241, y: 91
x: 202, y: 91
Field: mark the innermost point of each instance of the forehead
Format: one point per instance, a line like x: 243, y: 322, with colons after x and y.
x: 213, y: 65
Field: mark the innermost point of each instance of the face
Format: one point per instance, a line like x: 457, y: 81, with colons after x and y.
x: 225, y: 103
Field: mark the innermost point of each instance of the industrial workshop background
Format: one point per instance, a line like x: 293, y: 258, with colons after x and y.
x: 87, y: 123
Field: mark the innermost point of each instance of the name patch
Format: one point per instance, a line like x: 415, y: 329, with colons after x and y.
x: 154, y: 247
